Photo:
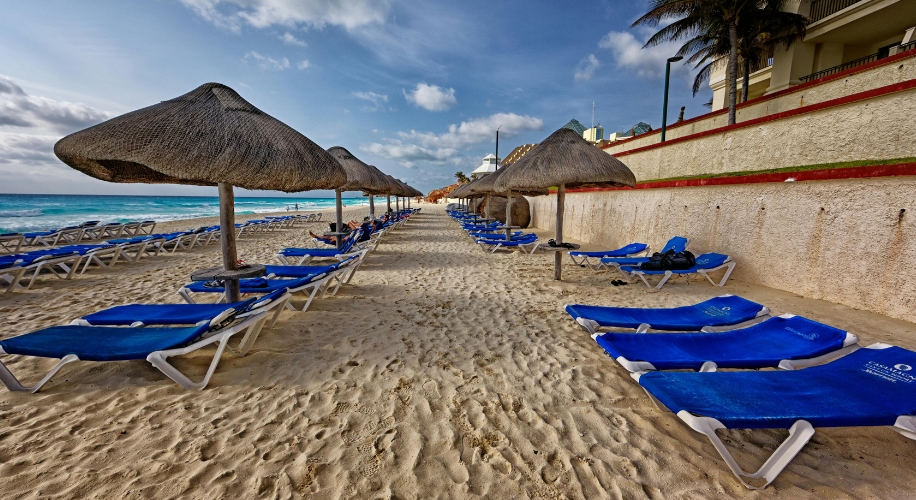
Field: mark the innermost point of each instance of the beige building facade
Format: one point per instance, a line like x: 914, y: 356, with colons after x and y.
x: 842, y: 34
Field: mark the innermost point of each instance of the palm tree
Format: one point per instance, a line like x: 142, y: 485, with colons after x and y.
x: 462, y: 179
x: 717, y: 28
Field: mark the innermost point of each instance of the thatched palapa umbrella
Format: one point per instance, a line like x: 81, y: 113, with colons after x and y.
x: 564, y: 160
x: 487, y: 186
x: 360, y: 177
x: 382, y: 189
x: 209, y: 136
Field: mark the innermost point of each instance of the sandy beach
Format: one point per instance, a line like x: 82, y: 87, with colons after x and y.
x: 440, y: 371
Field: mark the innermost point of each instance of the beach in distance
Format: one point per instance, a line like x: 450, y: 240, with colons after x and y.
x: 439, y: 371
x: 36, y: 212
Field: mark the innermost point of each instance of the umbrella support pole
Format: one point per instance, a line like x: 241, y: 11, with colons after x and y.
x: 508, y: 213
x: 227, y: 238
x: 558, y: 256
x: 338, y: 203
x: 372, y: 206
x: 389, y: 203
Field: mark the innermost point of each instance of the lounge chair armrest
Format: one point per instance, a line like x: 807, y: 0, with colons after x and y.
x: 797, y: 364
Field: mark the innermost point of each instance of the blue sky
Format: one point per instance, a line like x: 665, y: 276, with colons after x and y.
x: 416, y: 88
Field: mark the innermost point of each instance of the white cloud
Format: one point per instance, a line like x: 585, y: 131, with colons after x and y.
x: 586, y: 68
x: 19, y: 109
x: 431, y: 97
x: 629, y: 54
x: 413, y: 146
x: 303, y: 64
x: 289, y: 39
x: 232, y: 14
x: 378, y: 100
x: 266, y: 62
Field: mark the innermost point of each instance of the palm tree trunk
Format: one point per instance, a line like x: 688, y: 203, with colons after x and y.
x: 732, y: 71
x: 747, y: 80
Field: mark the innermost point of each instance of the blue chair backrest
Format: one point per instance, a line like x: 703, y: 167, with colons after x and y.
x: 678, y: 244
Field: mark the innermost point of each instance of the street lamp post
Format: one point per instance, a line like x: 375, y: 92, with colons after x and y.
x: 667, y: 76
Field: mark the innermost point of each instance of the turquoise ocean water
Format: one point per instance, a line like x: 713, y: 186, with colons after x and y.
x: 32, y: 212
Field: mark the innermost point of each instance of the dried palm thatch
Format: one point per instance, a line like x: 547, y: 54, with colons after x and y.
x: 564, y: 160
x: 360, y: 177
x: 567, y: 159
x: 206, y: 137
x: 209, y: 135
x: 487, y: 185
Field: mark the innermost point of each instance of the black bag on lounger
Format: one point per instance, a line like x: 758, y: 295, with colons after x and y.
x: 669, y: 260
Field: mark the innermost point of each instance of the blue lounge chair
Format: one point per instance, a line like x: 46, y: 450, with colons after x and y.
x: 785, y: 341
x: 62, y: 263
x: 350, y: 264
x: 260, y: 286
x: 301, y: 256
x: 104, y: 343
x: 586, y: 258
x: 705, y: 264
x: 527, y: 243
x: 873, y: 386
x: 678, y: 244
x: 184, y: 314
x: 725, y: 310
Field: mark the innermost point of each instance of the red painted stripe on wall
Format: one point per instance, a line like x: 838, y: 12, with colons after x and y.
x: 901, y: 169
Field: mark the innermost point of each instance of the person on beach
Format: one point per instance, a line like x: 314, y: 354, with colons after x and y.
x: 297, y: 207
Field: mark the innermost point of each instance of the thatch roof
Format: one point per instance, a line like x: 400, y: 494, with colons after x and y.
x: 360, y: 177
x: 565, y: 158
x: 486, y: 185
x: 397, y: 188
x: 204, y: 137
x: 463, y: 190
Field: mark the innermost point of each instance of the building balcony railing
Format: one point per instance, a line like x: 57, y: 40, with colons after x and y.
x: 823, y: 8
x: 855, y: 63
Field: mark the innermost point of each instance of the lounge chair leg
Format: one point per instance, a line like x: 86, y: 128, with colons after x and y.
x: 13, y: 384
x: 799, y: 435
x: 661, y: 283
x: 159, y: 359
x: 312, y: 295
x: 251, y: 334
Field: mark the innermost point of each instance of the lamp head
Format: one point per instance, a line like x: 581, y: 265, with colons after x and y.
x: 674, y: 59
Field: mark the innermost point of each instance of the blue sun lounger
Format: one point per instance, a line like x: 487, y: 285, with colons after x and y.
x: 184, y: 314
x: 104, y: 343
x: 62, y: 263
x: 678, y: 244
x: 260, y: 286
x: 301, y: 256
x: 873, y: 386
x: 705, y: 264
x: 725, y: 310
x: 527, y: 243
x: 786, y: 341
x: 585, y: 258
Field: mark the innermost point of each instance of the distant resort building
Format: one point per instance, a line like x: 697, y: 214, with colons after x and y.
x: 517, y: 154
x: 841, y: 35
x: 489, y: 165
